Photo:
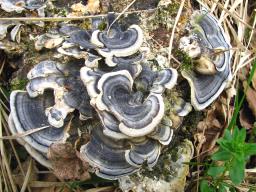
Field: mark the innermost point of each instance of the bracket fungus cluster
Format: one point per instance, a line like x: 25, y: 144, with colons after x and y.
x: 20, y: 5
x: 118, y: 91
x: 210, y: 51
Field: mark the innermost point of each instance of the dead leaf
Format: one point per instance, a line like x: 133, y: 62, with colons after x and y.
x: 66, y: 164
x: 79, y: 7
x: 246, y: 117
x: 250, y: 94
x: 102, y: 189
x: 211, y: 127
x: 254, y: 81
x: 52, y: 189
x: 19, y: 177
x: 93, y: 6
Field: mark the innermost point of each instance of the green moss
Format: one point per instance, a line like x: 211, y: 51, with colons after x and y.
x: 247, y: 34
x: 198, y: 18
x: 18, y: 84
x: 165, y: 13
x: 86, y: 24
x: 187, y: 62
x: 167, y: 105
x: 102, y: 26
x: 173, y: 8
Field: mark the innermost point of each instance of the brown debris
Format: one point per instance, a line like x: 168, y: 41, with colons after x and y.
x: 161, y: 35
x: 73, y: 168
x: 211, y: 127
x: 246, y: 117
x: 93, y: 6
x: 79, y: 9
x: 250, y: 94
x: 254, y: 81
x: 18, y: 175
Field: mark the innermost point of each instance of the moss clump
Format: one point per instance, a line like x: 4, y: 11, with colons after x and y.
x: 18, y: 84
x: 86, y: 24
x: 102, y: 26
x: 187, y: 62
x: 166, y: 13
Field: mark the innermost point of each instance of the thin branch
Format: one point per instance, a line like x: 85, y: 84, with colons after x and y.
x: 125, y: 9
x: 25, y: 133
x: 60, y: 19
x: 173, y: 29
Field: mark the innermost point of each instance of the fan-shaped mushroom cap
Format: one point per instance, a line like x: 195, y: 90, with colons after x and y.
x: 39, y: 156
x: 47, y: 68
x: 136, y: 119
x: 147, y: 150
x: 20, y: 5
x: 111, y: 126
x: 81, y: 38
x: 58, y: 112
x: 69, y: 91
x: 145, y: 80
x: 29, y: 113
x: 132, y: 59
x: 48, y: 40
x: 90, y: 79
x: 106, y: 155
x: 166, y: 78
x: 181, y: 107
x: 120, y: 45
x: 156, y: 82
x: 68, y: 29
x: 77, y: 97
x: 73, y: 51
x: 44, y: 69
x: 210, y: 37
x: 92, y: 61
x: 133, y: 69
x: 115, y: 42
x: 163, y: 134
x: 206, y: 88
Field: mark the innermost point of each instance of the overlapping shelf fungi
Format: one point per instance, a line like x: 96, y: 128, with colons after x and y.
x: 118, y: 91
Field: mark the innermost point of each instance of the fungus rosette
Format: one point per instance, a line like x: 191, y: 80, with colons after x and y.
x: 20, y: 5
x: 211, y: 53
x: 54, y: 90
x: 125, y: 94
x: 116, y: 45
x: 129, y: 118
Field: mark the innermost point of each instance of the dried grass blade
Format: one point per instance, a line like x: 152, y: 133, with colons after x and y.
x: 125, y: 9
x: 5, y: 159
x: 26, y: 133
x: 251, y: 35
x: 6, y: 185
x: 27, y: 177
x: 60, y: 19
x: 100, y: 189
x: 173, y: 29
